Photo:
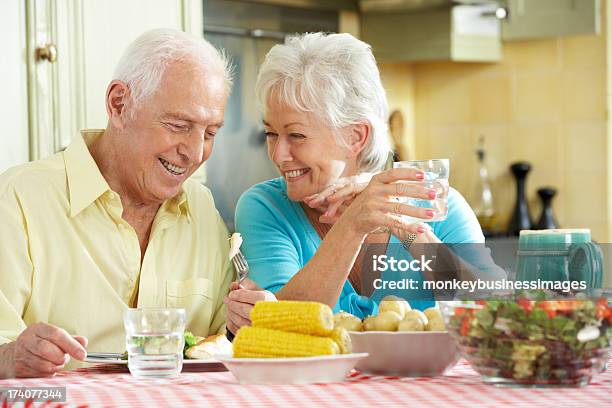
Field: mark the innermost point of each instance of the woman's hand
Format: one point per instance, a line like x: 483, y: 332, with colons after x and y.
x: 240, y: 301
x: 333, y: 200
x: 377, y: 209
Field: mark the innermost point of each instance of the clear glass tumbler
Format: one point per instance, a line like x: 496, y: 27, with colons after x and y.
x: 436, y: 177
x: 154, y: 341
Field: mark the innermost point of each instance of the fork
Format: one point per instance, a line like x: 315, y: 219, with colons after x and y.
x: 241, y: 266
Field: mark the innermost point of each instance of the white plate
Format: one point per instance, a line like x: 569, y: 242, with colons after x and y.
x: 297, y: 370
x: 187, y: 363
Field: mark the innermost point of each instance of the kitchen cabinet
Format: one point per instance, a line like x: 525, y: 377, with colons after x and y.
x: 466, y: 32
x: 13, y: 82
x: 549, y: 18
x: 70, y: 50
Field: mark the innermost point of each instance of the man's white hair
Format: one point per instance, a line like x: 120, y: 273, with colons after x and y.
x: 335, y: 77
x: 144, y: 62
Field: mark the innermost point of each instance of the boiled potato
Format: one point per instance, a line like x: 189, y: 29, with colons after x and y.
x: 347, y: 321
x: 369, y: 323
x: 417, y: 314
x: 432, y: 313
x: 436, y: 324
x: 394, y: 304
x: 387, y: 321
x: 412, y: 324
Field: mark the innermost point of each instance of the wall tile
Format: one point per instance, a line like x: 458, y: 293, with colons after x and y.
x: 490, y: 99
x: 583, y: 52
x: 584, y: 94
x: 586, y: 147
x: 534, y: 55
x: 537, y: 97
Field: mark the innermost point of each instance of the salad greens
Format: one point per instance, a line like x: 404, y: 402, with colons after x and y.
x: 190, y: 340
x: 527, y: 339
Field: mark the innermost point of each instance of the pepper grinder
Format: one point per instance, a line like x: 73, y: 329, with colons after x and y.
x: 547, y: 219
x: 521, y: 219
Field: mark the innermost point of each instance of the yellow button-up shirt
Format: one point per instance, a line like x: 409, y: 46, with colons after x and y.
x: 68, y: 258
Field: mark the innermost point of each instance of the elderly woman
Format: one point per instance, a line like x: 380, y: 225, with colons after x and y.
x: 325, y: 115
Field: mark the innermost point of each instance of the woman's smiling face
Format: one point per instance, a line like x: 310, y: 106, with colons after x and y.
x: 304, y: 150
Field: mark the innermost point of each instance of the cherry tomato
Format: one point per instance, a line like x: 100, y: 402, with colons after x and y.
x: 549, y: 307
x: 526, y: 304
x: 602, y: 308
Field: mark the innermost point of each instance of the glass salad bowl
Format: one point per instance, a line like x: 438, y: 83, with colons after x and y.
x: 532, y: 343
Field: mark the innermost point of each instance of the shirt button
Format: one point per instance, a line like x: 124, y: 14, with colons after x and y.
x: 112, y: 196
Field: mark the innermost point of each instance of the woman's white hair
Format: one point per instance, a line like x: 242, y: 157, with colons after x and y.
x: 335, y: 77
x: 144, y: 62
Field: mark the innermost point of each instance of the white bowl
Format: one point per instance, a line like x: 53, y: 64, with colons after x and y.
x: 297, y: 370
x: 405, y: 354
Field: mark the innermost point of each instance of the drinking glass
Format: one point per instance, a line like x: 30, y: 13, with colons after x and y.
x: 436, y: 177
x: 154, y: 341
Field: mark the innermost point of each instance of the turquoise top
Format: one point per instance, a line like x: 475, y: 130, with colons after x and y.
x: 278, y: 240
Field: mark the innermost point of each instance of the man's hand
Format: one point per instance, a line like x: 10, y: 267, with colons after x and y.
x: 240, y: 301
x: 41, y: 350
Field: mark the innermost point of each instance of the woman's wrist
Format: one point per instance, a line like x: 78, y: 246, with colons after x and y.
x: 346, y: 229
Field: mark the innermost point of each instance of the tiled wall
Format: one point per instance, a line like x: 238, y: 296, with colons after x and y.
x: 544, y: 103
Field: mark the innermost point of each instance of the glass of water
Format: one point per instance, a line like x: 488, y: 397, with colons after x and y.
x: 436, y: 177
x: 154, y: 341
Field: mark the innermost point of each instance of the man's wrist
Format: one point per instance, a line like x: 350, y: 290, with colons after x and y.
x: 7, y: 357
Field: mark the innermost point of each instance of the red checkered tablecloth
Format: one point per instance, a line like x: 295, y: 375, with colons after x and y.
x: 112, y: 386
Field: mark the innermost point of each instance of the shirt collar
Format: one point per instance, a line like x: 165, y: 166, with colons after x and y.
x: 85, y: 182
x: 178, y: 205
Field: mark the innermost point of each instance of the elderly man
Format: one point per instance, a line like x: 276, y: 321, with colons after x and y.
x: 113, y: 221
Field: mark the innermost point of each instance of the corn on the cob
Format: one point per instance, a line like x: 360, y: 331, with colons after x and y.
x: 311, y: 318
x: 261, y: 342
x: 342, y: 339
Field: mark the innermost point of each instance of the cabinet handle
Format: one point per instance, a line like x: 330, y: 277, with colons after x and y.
x: 47, y: 52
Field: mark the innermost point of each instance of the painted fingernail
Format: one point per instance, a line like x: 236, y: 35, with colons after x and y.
x: 420, y: 175
x: 431, y: 194
x: 420, y: 230
x: 429, y: 213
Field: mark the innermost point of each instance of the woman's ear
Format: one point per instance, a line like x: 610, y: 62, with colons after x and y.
x: 357, y: 137
x: 117, y: 96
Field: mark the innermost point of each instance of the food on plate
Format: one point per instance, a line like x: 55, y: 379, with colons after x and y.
x: 291, y: 329
x: 209, y: 347
x: 432, y: 313
x: 195, y: 347
x: 534, y: 341
x: 412, y: 324
x: 348, y: 321
x: 390, y: 320
x: 342, y: 339
x: 418, y: 315
x: 394, y: 304
x: 311, y: 318
x: 190, y: 340
x: 435, y: 324
x: 387, y: 321
x: 253, y: 342
x: 235, y: 242
x: 369, y: 323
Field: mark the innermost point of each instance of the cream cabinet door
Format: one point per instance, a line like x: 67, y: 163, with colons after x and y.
x: 13, y: 82
x: 74, y: 46
x: 550, y: 18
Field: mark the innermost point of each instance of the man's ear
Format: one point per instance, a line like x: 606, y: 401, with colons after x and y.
x: 117, y: 96
x: 357, y: 137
